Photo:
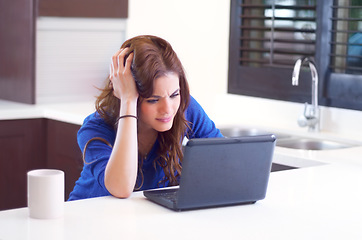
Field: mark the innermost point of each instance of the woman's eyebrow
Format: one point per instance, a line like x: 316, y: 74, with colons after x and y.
x: 156, y: 96
x: 177, y: 90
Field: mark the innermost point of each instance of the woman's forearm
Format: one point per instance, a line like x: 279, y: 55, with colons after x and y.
x: 121, y: 170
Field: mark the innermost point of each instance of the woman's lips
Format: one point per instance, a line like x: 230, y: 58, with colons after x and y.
x: 164, y: 120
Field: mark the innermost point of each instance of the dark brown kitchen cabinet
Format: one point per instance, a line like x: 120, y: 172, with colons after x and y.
x: 17, y: 50
x: 63, y: 152
x: 22, y: 148
x: 32, y: 144
x: 280, y: 167
x: 84, y: 8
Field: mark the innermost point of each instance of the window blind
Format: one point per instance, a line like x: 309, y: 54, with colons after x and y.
x: 276, y: 33
x: 346, y: 43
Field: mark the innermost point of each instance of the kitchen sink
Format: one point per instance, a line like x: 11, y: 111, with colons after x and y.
x: 312, y: 144
x: 239, y: 132
x: 289, y: 140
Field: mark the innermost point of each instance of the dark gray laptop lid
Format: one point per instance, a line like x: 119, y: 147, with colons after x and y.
x: 225, y: 171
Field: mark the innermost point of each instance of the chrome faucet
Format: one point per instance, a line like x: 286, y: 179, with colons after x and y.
x: 310, y: 117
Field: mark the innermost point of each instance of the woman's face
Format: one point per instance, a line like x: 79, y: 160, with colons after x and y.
x: 159, y: 110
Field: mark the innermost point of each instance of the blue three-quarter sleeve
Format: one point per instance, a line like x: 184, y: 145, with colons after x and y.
x: 201, y: 125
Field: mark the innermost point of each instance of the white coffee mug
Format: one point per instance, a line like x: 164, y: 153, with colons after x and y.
x: 46, y: 193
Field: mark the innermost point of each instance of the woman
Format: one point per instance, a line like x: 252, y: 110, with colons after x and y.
x: 134, y: 139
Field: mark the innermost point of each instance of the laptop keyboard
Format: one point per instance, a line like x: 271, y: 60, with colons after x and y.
x: 170, y: 196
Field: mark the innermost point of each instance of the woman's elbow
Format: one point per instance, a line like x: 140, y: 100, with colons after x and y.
x: 119, y: 191
x: 122, y: 194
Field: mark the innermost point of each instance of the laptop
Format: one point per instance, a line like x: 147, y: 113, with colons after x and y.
x: 220, y: 172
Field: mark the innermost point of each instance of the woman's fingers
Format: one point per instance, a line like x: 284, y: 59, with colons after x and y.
x: 129, y: 61
x: 121, y: 77
x: 114, y: 68
x: 120, y: 59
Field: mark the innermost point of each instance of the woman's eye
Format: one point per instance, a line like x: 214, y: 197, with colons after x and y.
x: 175, y: 95
x: 152, y: 100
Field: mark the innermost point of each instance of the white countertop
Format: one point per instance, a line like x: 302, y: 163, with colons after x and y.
x: 73, y: 112
x: 322, y: 202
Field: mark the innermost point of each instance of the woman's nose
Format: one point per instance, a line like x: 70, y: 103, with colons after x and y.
x: 165, y: 106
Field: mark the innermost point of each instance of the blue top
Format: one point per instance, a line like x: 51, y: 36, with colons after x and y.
x: 91, y: 182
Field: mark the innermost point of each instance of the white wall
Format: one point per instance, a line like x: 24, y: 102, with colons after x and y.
x: 199, y: 32
x: 73, y: 56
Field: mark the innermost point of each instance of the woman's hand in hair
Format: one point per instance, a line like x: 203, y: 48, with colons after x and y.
x: 124, y: 85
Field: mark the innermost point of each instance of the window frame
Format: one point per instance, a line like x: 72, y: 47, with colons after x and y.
x: 335, y: 89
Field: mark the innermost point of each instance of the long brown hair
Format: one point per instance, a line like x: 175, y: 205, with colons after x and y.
x: 153, y: 58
